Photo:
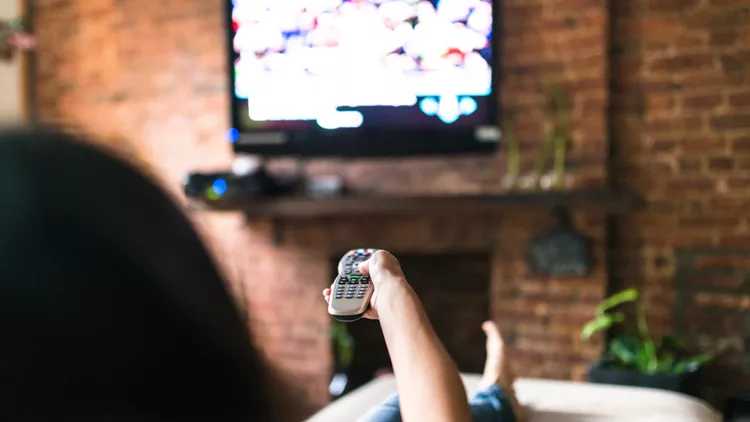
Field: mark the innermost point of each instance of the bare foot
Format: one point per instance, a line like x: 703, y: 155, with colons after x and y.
x: 496, y: 368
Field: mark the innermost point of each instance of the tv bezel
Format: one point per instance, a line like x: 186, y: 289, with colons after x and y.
x: 368, y: 142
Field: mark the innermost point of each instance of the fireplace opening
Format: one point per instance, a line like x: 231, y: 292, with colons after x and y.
x: 454, y: 289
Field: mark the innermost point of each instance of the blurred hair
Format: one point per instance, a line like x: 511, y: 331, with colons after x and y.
x: 110, y: 306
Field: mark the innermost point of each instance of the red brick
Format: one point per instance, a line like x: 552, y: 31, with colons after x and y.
x: 711, y: 80
x: 690, y: 165
x: 659, y: 101
x: 728, y: 2
x: 702, y: 101
x: 658, y: 27
x: 704, y: 145
x: 716, y: 222
x: 691, y: 184
x: 741, y: 99
x: 672, y: 124
x: 735, y: 241
x: 733, y: 121
x: 721, y: 163
x: 723, y: 37
x: 735, y: 62
x: 741, y: 145
x: 671, y: 5
x: 738, y: 182
x: 681, y: 63
x: 725, y: 204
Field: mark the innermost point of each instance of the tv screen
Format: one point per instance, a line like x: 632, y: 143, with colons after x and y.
x: 363, y: 77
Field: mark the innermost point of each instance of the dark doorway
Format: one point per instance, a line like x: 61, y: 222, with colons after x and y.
x: 454, y: 289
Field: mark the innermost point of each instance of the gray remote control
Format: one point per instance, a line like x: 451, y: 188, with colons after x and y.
x: 351, y: 291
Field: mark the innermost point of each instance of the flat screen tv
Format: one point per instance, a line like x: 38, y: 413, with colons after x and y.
x: 363, y: 77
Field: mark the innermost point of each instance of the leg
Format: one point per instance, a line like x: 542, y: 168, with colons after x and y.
x: 496, y: 400
x: 388, y: 411
x: 492, y: 405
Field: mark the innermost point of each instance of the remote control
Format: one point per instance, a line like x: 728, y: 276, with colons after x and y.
x: 351, y: 291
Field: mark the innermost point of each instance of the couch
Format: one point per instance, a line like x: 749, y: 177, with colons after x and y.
x: 551, y: 401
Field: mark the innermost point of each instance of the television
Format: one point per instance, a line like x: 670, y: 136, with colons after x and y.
x: 363, y: 77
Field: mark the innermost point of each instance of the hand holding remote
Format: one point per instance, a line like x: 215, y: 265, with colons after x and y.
x: 383, y: 268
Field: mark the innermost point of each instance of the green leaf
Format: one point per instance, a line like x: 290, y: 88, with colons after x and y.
x: 600, y: 323
x: 651, y: 360
x: 642, y: 360
x: 680, y: 367
x: 616, y: 299
x: 625, y: 349
x: 692, y: 364
x: 672, y: 343
x: 665, y: 363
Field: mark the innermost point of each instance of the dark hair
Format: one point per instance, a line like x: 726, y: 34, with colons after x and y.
x: 110, y: 306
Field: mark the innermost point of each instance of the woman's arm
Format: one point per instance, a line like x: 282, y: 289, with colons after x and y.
x: 428, y: 382
x: 429, y: 386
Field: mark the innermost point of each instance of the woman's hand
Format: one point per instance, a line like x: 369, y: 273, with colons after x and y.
x: 384, y: 270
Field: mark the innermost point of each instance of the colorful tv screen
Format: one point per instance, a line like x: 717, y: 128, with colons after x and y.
x: 343, y: 64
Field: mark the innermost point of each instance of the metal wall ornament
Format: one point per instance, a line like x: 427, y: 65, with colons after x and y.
x: 560, y: 252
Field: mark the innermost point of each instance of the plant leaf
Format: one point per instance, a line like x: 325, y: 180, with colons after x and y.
x: 625, y: 349
x: 699, y: 360
x: 616, y: 299
x: 680, y: 367
x: 673, y: 343
x: 665, y: 363
x: 600, y: 323
x: 652, y: 362
x: 641, y: 361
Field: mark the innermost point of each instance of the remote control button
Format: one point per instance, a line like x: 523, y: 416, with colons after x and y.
x: 365, y: 281
x: 365, y: 278
x: 348, y: 271
x: 360, y: 297
x: 350, y: 296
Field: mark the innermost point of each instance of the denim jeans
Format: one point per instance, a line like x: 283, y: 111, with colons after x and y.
x: 489, y: 405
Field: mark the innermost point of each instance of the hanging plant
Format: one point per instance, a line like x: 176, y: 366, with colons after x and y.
x: 14, y: 39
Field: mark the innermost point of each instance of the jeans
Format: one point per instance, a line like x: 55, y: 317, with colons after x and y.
x: 489, y: 405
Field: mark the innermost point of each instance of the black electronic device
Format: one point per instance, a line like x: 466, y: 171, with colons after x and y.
x: 260, y: 183
x: 363, y: 78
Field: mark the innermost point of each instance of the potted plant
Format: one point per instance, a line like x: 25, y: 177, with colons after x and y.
x: 636, y: 358
x: 343, y: 343
x: 13, y: 39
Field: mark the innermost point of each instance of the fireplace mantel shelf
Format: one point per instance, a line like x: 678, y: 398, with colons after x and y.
x: 600, y: 200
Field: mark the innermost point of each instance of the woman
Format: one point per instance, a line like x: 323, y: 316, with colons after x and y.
x: 111, y: 308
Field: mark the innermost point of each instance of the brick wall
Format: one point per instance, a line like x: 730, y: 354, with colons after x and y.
x: 151, y: 75
x: 681, y: 121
